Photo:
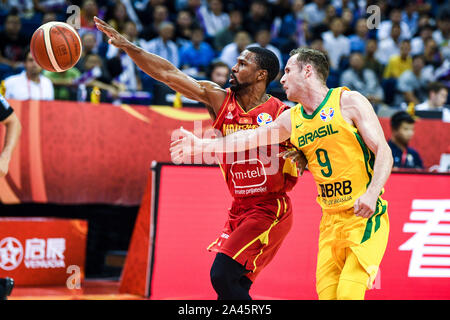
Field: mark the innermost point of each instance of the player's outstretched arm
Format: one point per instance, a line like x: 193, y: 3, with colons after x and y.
x: 359, y: 110
x: 162, y: 70
x: 13, y: 130
x: 188, y: 144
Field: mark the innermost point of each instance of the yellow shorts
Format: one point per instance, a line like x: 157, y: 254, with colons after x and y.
x: 342, y: 233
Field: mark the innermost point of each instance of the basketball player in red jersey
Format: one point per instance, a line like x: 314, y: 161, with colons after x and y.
x: 261, y: 214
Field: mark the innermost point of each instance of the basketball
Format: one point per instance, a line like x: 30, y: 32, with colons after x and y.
x: 56, y: 46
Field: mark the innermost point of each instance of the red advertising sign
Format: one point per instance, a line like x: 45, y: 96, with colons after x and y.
x: 37, y: 251
x: 192, y: 209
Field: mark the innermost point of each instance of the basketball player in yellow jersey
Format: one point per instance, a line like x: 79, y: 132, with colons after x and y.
x: 339, y: 133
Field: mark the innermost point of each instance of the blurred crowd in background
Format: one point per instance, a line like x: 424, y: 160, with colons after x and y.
x: 404, y: 60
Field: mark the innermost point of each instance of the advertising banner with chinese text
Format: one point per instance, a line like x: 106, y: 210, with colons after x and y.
x: 38, y: 251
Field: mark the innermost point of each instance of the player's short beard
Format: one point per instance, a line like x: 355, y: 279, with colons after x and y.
x: 238, y: 86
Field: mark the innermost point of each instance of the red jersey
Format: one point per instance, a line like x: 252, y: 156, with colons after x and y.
x: 256, y: 172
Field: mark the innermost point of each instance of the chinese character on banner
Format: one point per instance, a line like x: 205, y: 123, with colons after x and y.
x: 430, y: 245
x: 35, y: 249
x: 56, y: 248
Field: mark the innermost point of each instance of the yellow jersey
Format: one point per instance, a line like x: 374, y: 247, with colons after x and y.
x: 338, y: 158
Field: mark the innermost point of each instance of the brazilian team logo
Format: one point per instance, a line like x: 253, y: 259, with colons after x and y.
x: 327, y: 114
x: 264, y: 118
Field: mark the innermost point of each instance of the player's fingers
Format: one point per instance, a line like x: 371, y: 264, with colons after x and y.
x: 282, y: 154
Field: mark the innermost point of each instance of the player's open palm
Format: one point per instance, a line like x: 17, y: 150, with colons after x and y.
x: 115, y: 38
x: 185, y: 146
x: 365, y: 205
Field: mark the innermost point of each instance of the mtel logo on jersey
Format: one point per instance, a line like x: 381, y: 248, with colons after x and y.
x: 39, y: 253
x: 264, y: 118
x: 327, y: 114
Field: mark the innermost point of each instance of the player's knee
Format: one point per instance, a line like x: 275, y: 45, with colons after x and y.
x: 220, y: 274
x: 350, y: 290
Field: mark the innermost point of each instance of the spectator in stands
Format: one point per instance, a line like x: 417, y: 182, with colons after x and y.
x: 49, y: 17
x: 402, y: 126
x: 63, y: 83
x: 89, y: 45
x: 399, y: 63
x: 442, y: 34
x: 325, y: 25
x: 193, y: 6
x: 348, y: 20
x: 89, y: 10
x: 125, y: 71
x: 389, y: 46
x: 370, y: 62
x: 437, y: 97
x: 336, y: 44
x: 258, y: 17
x: 183, y: 28
x: 362, y: 79
x: 160, y: 15
x: 117, y: 16
x: 233, y: 50
x: 315, y: 12
x: 163, y: 46
x: 197, y: 54
x: 213, y: 18
x: 418, y: 43
x: 30, y: 84
x: 13, y: 44
x: 226, y: 35
x: 410, y: 16
x: 431, y: 54
x: 412, y: 84
x: 262, y: 39
x: 219, y: 72
x: 102, y: 79
x: 395, y: 17
x: 293, y: 29
x: 133, y: 9
x: 359, y: 39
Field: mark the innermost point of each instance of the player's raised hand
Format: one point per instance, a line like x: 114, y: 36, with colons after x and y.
x: 185, y: 146
x: 115, y: 38
x: 296, y: 157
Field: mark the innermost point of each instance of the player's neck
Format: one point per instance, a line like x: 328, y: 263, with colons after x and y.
x: 248, y: 98
x: 313, y: 97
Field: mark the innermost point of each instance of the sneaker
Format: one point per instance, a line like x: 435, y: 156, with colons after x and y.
x: 6, y: 287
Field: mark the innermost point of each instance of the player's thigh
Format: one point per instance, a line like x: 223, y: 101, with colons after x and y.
x: 353, y: 280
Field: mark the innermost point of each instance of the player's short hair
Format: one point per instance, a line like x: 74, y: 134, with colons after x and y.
x: 316, y: 58
x: 399, y: 117
x: 266, y: 60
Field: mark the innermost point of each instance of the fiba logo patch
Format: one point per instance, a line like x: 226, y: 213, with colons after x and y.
x: 327, y: 114
x: 264, y: 118
x: 11, y: 253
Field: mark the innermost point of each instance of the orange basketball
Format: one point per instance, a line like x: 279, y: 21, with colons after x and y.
x: 56, y: 46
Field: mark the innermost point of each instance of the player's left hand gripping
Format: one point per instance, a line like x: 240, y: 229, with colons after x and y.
x: 185, y: 146
x: 365, y: 206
